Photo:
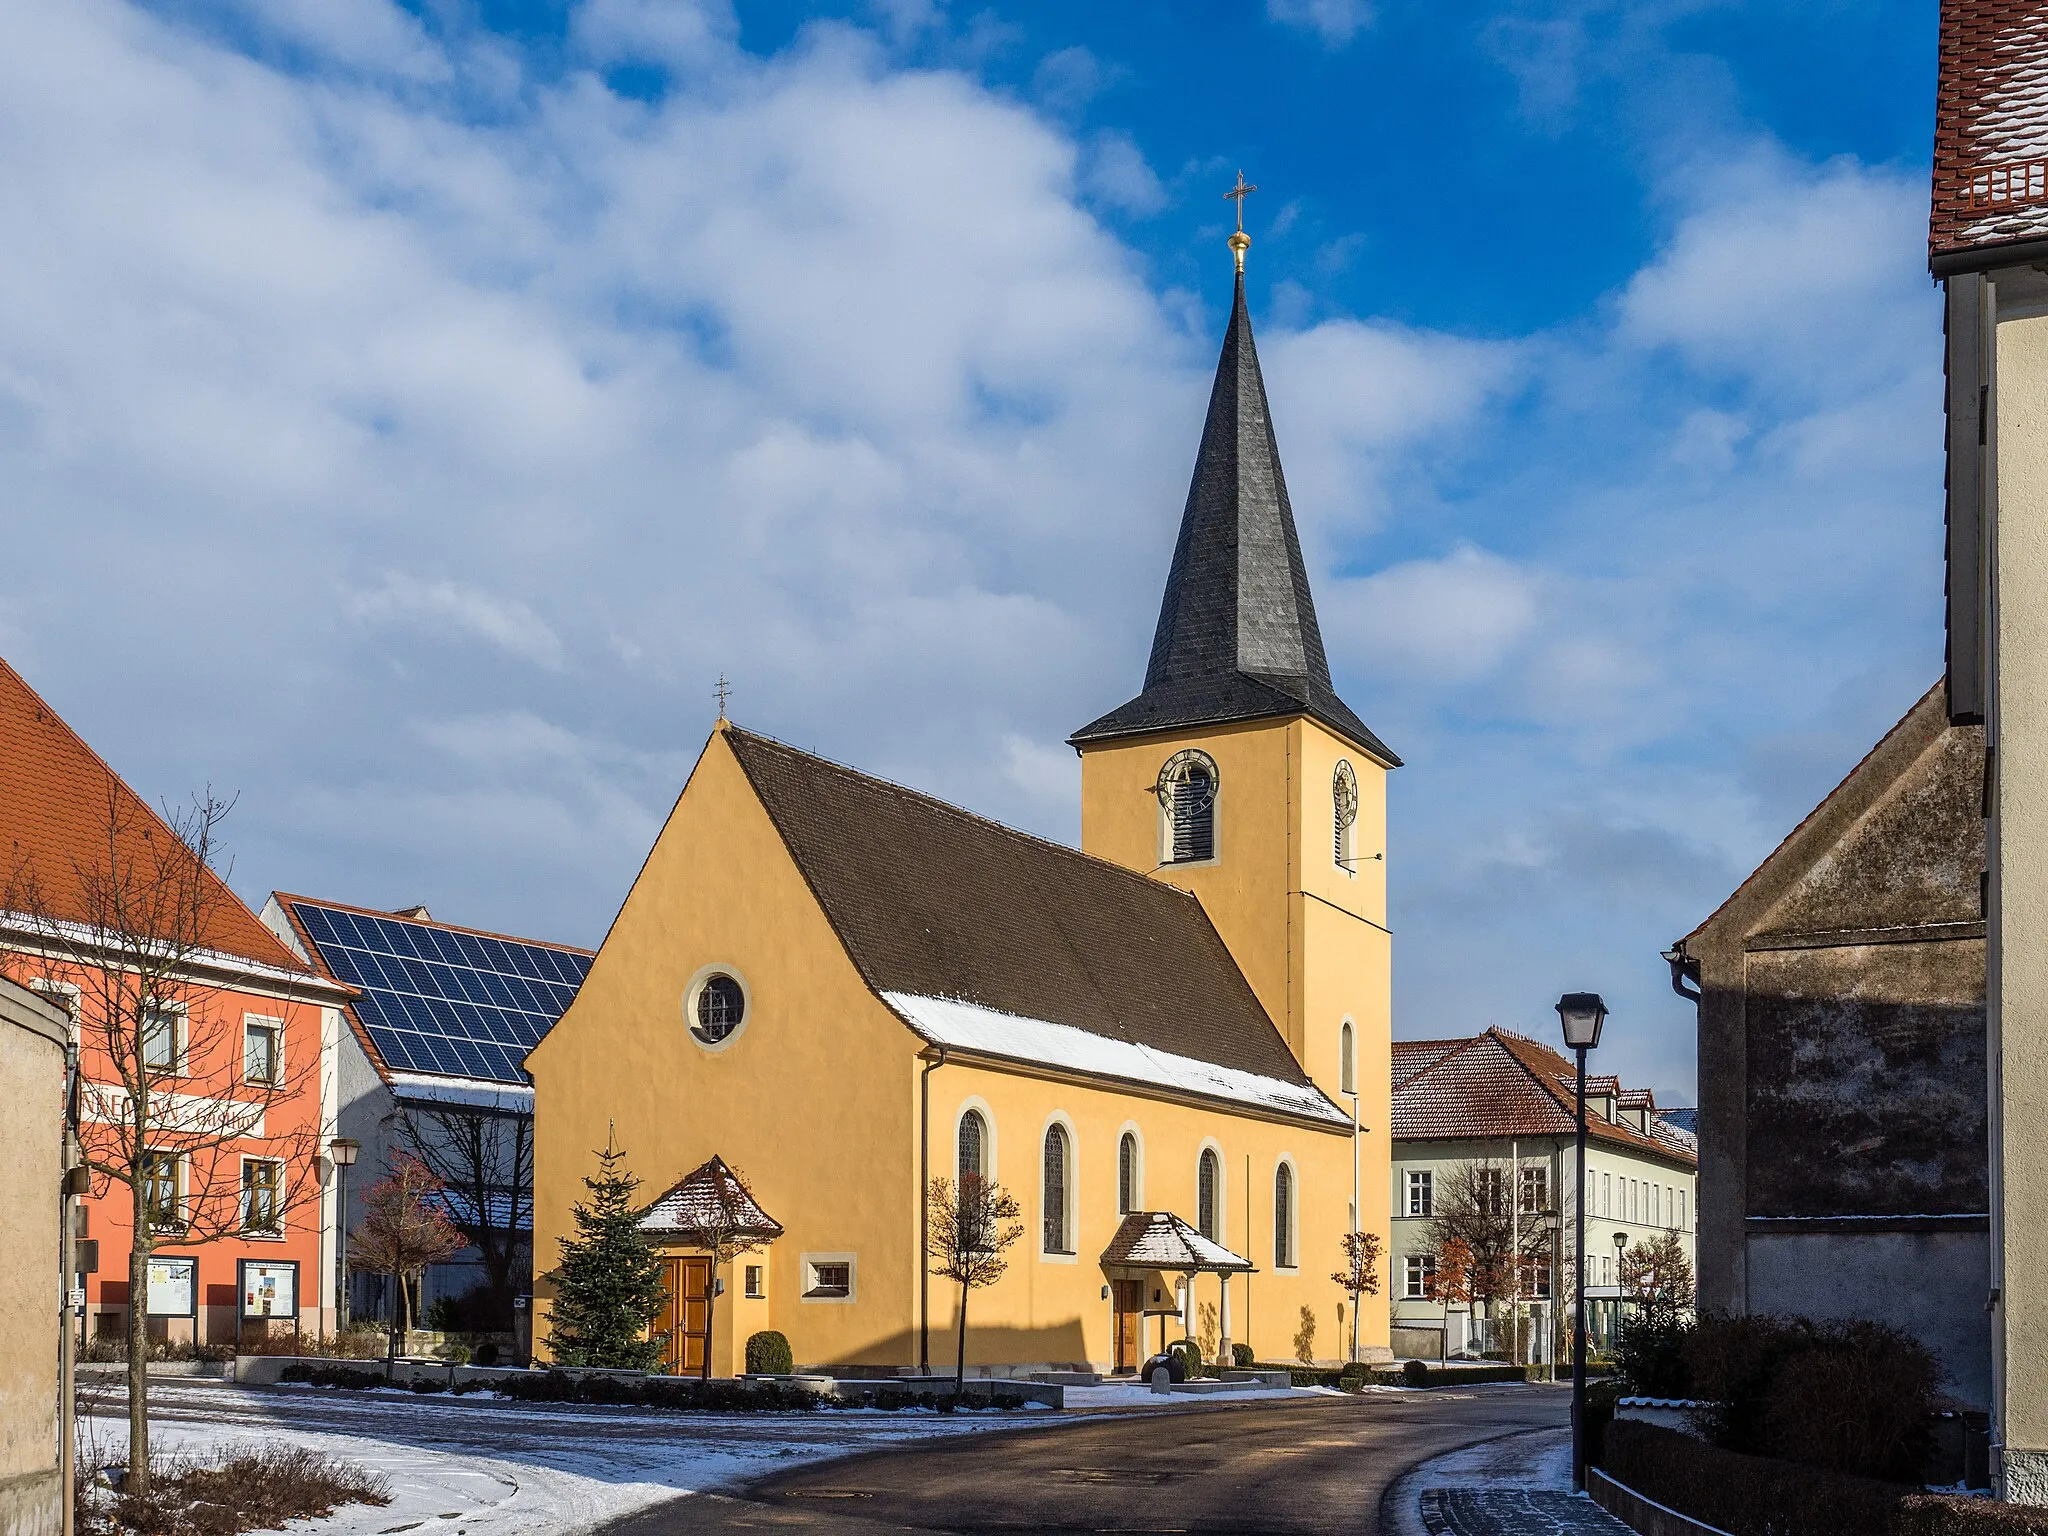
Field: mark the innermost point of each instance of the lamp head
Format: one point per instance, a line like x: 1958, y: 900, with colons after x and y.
x: 343, y: 1150
x: 1582, y: 1014
x: 1620, y: 1241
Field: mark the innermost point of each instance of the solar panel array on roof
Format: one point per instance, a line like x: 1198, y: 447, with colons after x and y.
x: 440, y: 1000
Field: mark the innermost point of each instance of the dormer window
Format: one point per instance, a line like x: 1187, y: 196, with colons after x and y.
x: 1187, y: 804
x: 1344, y: 816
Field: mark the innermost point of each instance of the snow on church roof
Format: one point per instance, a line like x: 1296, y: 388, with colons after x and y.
x: 1161, y: 1240
x: 971, y: 1027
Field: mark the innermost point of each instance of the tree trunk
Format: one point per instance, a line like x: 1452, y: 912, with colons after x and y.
x: 1354, y: 1326
x: 138, y: 1346
x: 710, y: 1314
x: 960, y: 1360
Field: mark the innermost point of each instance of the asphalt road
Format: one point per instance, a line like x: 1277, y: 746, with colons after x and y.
x: 1318, y: 1466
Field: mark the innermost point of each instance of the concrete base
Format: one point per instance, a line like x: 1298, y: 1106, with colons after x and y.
x: 32, y: 1504
x: 2022, y: 1476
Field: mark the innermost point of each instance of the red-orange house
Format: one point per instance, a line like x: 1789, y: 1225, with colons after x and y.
x: 240, y: 1052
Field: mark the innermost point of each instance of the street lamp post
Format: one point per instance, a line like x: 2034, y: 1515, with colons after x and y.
x: 1581, y: 1014
x: 343, y: 1150
x: 1620, y: 1287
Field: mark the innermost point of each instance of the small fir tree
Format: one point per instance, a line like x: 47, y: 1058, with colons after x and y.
x: 608, y: 1283
x: 1657, y: 1278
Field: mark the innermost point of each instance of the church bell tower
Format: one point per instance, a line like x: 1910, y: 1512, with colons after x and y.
x: 1239, y: 775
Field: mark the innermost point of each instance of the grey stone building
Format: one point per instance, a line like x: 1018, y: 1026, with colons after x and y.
x: 1842, y: 1117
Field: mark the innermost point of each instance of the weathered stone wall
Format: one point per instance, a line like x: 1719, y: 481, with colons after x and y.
x: 1866, y: 1080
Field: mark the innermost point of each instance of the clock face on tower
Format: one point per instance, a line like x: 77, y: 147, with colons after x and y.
x: 1344, y: 791
x: 1188, y: 782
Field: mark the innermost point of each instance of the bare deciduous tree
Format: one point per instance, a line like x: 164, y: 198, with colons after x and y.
x: 1501, y: 1251
x: 181, y: 1107
x: 485, y: 1160
x: 403, y: 1230
x: 1360, y: 1275
x: 972, y: 1225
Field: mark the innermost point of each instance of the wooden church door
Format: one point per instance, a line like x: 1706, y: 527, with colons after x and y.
x: 686, y: 1315
x: 1129, y: 1304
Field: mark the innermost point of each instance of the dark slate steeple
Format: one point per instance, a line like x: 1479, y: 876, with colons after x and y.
x: 1237, y: 636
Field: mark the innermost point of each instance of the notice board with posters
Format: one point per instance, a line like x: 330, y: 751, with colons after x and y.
x: 173, y: 1286
x: 268, y: 1288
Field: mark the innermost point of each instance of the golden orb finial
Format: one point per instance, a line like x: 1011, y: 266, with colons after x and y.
x: 1240, y: 242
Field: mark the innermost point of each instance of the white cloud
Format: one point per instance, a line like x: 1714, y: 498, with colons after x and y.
x: 371, y: 35
x: 1336, y: 22
x: 681, y: 32
x: 1448, y: 620
x: 1114, y: 174
x: 508, y: 624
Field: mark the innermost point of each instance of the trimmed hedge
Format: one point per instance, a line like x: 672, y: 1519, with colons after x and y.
x: 1759, y: 1496
x: 768, y: 1354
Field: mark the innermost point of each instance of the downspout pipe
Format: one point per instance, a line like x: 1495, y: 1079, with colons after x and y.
x: 924, y: 1211
x: 1683, y: 969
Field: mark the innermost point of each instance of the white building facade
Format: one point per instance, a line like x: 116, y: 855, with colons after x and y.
x: 1495, y: 1113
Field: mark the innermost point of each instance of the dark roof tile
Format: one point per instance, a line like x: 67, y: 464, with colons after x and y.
x: 932, y: 900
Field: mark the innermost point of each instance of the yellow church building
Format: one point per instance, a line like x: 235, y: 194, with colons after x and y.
x: 1171, y: 1047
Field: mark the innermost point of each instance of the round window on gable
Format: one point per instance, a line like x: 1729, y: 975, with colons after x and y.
x: 715, y: 1007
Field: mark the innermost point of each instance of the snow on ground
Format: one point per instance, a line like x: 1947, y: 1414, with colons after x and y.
x: 1129, y: 1393
x: 502, y: 1469
x: 1533, y: 1461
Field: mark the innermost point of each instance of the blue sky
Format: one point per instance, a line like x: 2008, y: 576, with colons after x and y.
x: 408, y: 411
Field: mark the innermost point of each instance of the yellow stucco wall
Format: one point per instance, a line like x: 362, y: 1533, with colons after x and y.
x: 813, y: 1101
x: 1051, y: 1308
x: 1310, y: 936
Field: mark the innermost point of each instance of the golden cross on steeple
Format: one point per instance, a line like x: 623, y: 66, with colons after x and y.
x: 1240, y: 242
x: 724, y: 692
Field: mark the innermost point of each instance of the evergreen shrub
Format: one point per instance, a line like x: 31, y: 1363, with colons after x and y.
x: 1415, y: 1373
x: 1241, y: 1356
x: 768, y: 1354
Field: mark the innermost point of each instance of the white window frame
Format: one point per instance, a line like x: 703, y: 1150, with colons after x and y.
x: 1421, y: 1181
x: 1293, y: 1265
x: 807, y: 1272
x: 1538, y: 1175
x: 180, y: 1016
x: 275, y: 1026
x: 242, y: 1228
x: 1417, y: 1270
x: 1070, y: 1213
x: 695, y: 989
x: 754, y: 1277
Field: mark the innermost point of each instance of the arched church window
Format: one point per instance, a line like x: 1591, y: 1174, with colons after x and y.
x: 1187, y: 802
x: 1344, y: 806
x: 973, y: 1137
x: 1126, y: 1174
x: 1347, y: 1060
x: 1283, y: 1217
x: 1208, y: 1179
x: 1055, y: 1192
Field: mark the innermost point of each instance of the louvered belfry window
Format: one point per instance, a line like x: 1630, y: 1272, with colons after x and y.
x: 1055, y: 1193
x: 1206, y: 1180
x: 1187, y: 795
x: 1126, y: 1174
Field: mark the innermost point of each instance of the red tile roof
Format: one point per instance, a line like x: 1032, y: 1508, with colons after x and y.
x: 1990, y: 126
x: 1411, y: 1056
x: 54, y: 793
x: 1500, y: 1084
